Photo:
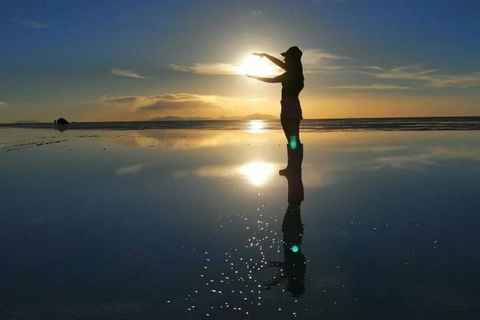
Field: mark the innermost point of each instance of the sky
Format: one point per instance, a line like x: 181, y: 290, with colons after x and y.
x: 138, y: 60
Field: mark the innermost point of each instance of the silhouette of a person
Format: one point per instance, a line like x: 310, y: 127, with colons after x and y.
x: 292, y: 83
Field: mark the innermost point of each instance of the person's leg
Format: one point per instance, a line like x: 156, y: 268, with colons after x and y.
x: 285, y: 126
x: 297, y: 130
x: 291, y: 128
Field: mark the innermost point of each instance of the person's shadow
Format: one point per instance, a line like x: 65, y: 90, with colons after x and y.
x: 292, y: 269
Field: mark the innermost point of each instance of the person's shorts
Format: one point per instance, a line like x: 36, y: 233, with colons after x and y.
x: 291, y: 108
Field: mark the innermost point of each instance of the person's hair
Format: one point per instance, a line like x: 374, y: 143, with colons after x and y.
x: 294, y: 65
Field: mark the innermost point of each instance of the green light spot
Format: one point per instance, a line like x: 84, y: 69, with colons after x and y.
x: 295, y: 249
x: 293, y: 142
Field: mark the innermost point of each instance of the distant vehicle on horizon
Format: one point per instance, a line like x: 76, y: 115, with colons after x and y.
x: 61, y: 121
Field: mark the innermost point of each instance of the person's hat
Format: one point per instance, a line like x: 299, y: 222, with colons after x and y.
x: 292, y: 52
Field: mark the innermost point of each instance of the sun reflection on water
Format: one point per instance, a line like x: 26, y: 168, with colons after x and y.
x: 257, y: 173
x: 257, y: 126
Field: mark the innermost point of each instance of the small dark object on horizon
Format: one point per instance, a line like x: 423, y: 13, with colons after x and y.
x: 61, y: 121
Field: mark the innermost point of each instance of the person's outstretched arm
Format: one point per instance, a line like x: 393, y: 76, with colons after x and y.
x: 269, y: 80
x: 278, y: 62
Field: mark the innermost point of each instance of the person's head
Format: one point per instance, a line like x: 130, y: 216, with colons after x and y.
x: 292, y: 53
x: 293, y: 57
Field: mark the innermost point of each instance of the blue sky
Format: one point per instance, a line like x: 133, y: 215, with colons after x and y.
x: 124, y: 60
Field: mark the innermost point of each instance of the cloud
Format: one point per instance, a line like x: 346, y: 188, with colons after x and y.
x: 176, y: 104
x: 430, y: 77
x: 2, y: 104
x: 126, y: 73
x: 462, y: 81
x: 178, y: 101
x: 312, y: 59
x: 371, y: 87
x: 181, y: 101
x: 316, y: 56
x: 256, y: 13
x: 33, y: 24
x: 129, y: 169
x: 323, y: 1
x: 315, y: 60
x: 208, y: 69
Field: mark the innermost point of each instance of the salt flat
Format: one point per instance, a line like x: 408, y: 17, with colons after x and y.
x: 187, y: 224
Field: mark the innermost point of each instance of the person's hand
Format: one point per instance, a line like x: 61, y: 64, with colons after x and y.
x: 261, y: 55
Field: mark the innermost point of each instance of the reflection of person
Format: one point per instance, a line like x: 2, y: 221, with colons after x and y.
x: 292, y: 83
x: 292, y: 228
x: 292, y: 269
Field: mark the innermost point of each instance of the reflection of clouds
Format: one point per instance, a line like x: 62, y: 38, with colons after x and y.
x: 215, y: 171
x: 429, y: 158
x: 257, y: 173
x: 415, y: 162
x: 129, y: 169
x: 370, y: 149
x: 187, y: 139
x: 463, y: 152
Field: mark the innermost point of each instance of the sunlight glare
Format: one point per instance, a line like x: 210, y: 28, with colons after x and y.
x: 257, y: 66
x: 256, y: 126
x: 257, y: 172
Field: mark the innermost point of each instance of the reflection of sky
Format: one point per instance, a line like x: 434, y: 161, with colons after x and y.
x: 257, y: 172
x: 156, y: 216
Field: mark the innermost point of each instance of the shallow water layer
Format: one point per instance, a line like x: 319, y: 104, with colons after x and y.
x: 187, y: 224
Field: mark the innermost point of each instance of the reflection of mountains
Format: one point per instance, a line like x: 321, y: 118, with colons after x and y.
x: 185, y: 139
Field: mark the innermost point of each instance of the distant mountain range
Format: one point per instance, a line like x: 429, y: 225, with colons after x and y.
x: 255, y: 116
x: 27, y: 121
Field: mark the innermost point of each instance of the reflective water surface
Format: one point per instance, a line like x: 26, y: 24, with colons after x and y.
x: 194, y: 224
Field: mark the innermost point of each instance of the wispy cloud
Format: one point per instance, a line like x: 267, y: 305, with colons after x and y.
x: 256, y: 13
x: 208, y: 69
x: 168, y: 102
x: 126, y: 73
x: 463, y: 81
x: 317, y: 56
x: 32, y: 24
x: 323, y: 1
x: 129, y: 169
x: 316, y: 60
x: 176, y: 104
x: 180, y: 101
x: 430, y: 77
x: 371, y: 87
x: 313, y: 60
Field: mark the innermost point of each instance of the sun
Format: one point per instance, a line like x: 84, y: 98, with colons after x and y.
x: 257, y: 66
